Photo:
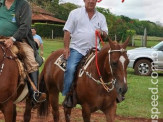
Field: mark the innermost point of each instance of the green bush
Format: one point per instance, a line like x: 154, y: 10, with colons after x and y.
x: 129, y: 33
x: 45, y: 30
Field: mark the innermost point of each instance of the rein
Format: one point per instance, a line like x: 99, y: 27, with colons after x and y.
x: 113, y: 81
x: 105, y: 85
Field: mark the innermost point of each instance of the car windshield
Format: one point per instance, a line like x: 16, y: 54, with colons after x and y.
x: 159, y: 46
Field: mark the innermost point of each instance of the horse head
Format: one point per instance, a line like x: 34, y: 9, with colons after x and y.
x: 118, y: 62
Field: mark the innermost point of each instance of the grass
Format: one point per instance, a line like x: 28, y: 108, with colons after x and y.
x: 138, y: 98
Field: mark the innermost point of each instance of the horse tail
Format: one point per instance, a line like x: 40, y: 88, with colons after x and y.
x: 43, y: 108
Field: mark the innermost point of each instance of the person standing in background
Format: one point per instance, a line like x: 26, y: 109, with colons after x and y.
x: 38, y: 40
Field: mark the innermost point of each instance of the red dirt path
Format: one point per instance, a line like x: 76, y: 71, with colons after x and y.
x: 75, y: 117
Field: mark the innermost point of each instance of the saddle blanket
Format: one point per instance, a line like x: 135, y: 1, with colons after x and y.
x: 61, y: 63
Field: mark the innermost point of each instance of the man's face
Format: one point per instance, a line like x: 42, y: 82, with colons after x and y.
x: 90, y: 4
x: 33, y: 31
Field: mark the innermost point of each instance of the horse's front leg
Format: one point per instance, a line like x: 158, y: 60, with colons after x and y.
x: 110, y: 112
x: 9, y: 112
x: 86, y: 113
x: 14, y: 113
x: 28, y: 108
x: 67, y: 112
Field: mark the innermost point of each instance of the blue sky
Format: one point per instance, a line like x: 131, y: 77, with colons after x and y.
x: 151, y: 10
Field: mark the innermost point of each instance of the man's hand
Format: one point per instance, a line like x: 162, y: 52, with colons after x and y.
x: 102, y: 33
x: 8, y: 42
x: 66, y: 53
x: 99, y: 31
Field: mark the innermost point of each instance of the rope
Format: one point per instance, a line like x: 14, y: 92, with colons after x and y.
x: 97, y: 34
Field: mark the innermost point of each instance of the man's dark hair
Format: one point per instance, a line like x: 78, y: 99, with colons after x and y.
x: 33, y: 28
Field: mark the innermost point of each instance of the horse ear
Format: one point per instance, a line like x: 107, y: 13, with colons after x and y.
x: 126, y: 43
x: 111, y: 43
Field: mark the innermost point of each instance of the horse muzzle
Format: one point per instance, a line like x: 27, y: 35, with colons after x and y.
x: 120, y: 98
x: 121, y: 94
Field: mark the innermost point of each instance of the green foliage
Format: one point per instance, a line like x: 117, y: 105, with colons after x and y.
x: 61, y: 11
x: 117, y: 25
x: 130, y: 34
x: 45, y: 30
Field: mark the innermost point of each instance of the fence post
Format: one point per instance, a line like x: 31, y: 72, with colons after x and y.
x: 133, y: 41
x: 52, y: 34
x: 145, y: 37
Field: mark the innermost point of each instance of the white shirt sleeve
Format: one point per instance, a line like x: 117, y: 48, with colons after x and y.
x: 104, y: 25
x: 69, y: 25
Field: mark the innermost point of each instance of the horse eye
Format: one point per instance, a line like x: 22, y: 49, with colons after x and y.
x: 114, y: 64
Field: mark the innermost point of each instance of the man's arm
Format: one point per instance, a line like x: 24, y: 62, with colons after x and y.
x: 41, y: 50
x: 66, y: 51
x: 23, y: 18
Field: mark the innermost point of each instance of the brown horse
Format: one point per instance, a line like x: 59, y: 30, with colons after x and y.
x: 9, y: 75
x: 91, y: 93
x: 9, y: 85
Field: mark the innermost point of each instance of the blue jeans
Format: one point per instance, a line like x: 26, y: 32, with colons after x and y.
x: 72, y: 62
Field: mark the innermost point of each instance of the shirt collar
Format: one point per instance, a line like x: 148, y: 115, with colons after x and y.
x: 94, y: 10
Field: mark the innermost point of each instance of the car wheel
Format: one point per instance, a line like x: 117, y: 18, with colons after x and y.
x: 143, y: 67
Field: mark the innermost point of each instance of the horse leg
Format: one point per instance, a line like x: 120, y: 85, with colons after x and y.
x: 53, y: 98
x: 67, y: 112
x: 8, y: 112
x: 14, y: 113
x: 86, y: 113
x: 28, y: 108
x: 110, y: 112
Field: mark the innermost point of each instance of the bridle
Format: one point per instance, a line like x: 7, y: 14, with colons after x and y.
x: 2, y: 61
x: 110, y: 51
x: 4, y: 57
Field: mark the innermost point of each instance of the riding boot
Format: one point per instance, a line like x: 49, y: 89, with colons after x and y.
x: 70, y: 100
x: 37, y: 96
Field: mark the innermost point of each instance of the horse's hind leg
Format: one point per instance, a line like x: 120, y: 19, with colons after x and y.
x: 28, y: 108
x: 67, y: 112
x: 86, y: 113
x: 53, y: 98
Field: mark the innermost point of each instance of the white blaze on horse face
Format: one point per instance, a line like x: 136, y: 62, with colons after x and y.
x: 122, y: 60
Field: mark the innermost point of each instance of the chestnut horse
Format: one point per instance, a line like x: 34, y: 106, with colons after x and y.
x: 9, y: 86
x: 93, y: 92
x: 9, y: 75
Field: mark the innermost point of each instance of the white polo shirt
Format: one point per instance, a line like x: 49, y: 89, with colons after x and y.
x: 82, y: 29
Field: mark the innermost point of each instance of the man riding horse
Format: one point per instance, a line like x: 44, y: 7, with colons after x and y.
x: 15, y: 23
x: 80, y: 27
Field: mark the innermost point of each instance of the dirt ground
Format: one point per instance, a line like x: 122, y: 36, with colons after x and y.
x: 75, y: 117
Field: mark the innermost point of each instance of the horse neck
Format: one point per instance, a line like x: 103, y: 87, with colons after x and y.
x: 102, y: 57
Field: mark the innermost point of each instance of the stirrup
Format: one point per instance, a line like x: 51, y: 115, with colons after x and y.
x: 39, y: 96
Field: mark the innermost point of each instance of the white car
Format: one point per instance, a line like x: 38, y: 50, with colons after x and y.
x: 145, y: 60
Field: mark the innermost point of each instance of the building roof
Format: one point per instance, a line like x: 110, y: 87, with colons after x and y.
x: 41, y: 15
